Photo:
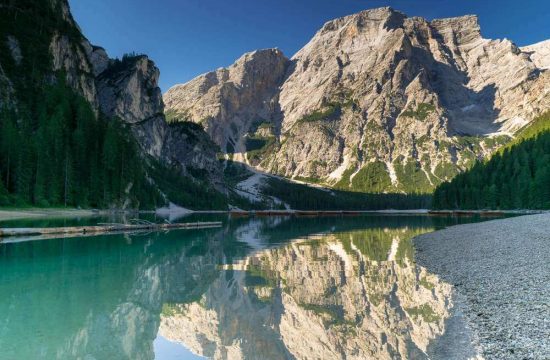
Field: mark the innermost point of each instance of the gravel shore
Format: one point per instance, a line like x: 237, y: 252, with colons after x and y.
x: 501, y: 271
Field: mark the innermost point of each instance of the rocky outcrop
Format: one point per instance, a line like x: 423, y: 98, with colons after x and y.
x: 128, y: 90
x: 539, y: 53
x: 377, y: 101
x: 71, y: 57
x: 98, y: 58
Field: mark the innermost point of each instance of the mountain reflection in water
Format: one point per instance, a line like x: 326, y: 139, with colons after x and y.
x: 264, y: 288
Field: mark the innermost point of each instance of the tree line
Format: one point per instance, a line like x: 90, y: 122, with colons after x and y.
x: 59, y: 153
x: 517, y: 177
x: 305, y: 197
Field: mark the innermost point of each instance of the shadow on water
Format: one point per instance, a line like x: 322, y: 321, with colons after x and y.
x: 270, y: 288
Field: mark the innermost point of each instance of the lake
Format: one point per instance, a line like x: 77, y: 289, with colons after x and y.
x: 256, y: 288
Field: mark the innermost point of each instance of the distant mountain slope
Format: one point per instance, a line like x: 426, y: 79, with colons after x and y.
x: 517, y: 177
x: 375, y: 102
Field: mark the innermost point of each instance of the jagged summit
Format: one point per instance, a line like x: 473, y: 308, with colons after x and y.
x: 385, y: 17
x: 247, y: 59
x: 230, y: 101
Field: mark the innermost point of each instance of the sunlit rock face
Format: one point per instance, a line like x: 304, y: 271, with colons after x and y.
x: 231, y: 102
x: 539, y: 54
x: 128, y: 90
x: 353, y: 295
x: 402, y: 100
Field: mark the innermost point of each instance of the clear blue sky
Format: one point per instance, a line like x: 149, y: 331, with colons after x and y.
x: 189, y: 37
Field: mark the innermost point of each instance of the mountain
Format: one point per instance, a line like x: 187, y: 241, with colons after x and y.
x: 82, y: 129
x: 375, y: 102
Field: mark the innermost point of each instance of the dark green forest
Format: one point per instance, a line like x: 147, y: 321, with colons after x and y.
x: 305, y: 197
x: 54, y: 150
x: 516, y: 177
x: 62, y: 155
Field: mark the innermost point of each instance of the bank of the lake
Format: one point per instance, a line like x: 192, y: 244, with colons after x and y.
x: 500, y: 271
x: 30, y: 213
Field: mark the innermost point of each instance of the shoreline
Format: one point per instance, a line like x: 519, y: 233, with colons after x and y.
x: 41, y: 213
x: 499, y: 270
x: 36, y: 213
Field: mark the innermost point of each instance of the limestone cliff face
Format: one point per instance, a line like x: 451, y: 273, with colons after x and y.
x: 377, y: 101
x: 73, y: 60
x: 128, y: 90
x: 332, y: 297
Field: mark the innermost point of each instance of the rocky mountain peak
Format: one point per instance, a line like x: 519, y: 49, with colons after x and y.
x: 375, y: 101
x: 383, y: 17
x: 462, y: 28
x: 128, y: 89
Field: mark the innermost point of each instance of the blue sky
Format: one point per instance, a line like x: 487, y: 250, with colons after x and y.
x: 189, y: 37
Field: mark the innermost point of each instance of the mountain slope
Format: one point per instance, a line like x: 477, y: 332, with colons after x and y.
x: 539, y: 53
x: 375, y: 102
x: 79, y: 128
x: 234, y: 102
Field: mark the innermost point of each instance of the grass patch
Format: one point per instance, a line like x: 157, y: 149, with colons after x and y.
x: 259, y: 147
x: 424, y: 311
x: 425, y: 283
x: 372, y: 178
x: 331, y: 110
x: 420, y: 113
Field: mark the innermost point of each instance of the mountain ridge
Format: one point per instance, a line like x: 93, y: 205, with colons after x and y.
x: 378, y: 101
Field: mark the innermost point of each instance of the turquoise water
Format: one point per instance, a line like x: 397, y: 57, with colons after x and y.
x: 257, y: 288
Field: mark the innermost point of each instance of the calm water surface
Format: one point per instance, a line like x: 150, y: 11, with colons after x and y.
x: 257, y: 288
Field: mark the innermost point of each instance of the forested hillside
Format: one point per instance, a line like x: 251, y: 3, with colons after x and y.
x: 516, y: 177
x: 61, y: 154
x: 54, y: 148
x: 80, y: 129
